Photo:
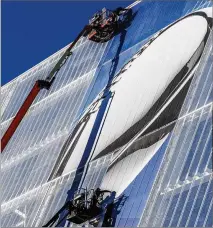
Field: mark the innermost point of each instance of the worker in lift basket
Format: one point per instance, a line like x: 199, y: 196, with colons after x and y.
x: 98, y: 196
x: 120, y: 10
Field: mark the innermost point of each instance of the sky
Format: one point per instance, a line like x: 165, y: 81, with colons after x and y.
x: 33, y: 30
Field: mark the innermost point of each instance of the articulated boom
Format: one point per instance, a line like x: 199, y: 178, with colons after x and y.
x: 102, y: 27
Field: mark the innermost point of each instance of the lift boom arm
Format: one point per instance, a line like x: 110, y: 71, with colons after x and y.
x: 101, y: 29
x: 39, y: 84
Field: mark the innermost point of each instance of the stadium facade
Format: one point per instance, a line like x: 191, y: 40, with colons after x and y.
x: 149, y: 138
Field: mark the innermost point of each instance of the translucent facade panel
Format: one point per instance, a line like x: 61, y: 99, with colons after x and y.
x: 48, y: 118
x: 96, y: 172
x: 133, y: 200
x: 201, y: 86
x: 84, y: 59
x: 23, y: 84
x: 37, y: 206
x: 30, y: 200
x: 29, y: 170
x: 180, y: 196
x: 196, y: 5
